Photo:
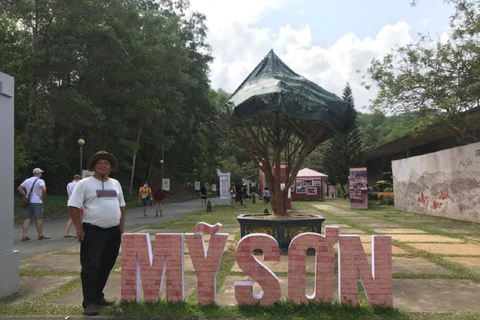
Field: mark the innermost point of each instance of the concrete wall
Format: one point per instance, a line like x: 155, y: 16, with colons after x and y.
x: 444, y: 183
x: 9, y: 258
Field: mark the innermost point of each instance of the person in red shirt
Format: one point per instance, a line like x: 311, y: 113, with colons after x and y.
x: 158, y: 196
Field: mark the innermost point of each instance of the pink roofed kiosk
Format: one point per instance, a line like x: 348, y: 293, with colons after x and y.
x: 309, y: 185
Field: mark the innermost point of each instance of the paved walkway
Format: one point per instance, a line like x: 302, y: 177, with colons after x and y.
x: 56, y: 228
x: 433, y: 271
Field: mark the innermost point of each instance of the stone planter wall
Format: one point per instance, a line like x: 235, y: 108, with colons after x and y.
x: 283, y: 230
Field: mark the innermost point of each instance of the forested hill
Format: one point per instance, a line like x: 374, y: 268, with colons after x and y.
x: 377, y: 129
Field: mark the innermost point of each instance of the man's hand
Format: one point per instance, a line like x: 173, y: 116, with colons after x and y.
x: 80, y: 234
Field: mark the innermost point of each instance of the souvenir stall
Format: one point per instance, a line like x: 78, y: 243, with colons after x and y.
x: 309, y: 185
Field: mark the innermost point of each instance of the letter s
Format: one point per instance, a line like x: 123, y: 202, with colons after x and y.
x: 256, y: 270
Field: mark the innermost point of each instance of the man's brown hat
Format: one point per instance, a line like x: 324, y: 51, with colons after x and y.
x: 102, y: 155
x: 77, y: 176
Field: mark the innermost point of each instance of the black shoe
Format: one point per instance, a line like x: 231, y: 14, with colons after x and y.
x: 90, y: 310
x: 104, y: 302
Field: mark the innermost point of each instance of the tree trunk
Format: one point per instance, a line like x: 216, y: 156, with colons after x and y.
x: 278, y: 205
x: 137, y: 143
x: 150, y: 166
x: 32, y: 90
x: 343, y: 190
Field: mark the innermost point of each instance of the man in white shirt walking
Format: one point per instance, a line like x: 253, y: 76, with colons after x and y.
x: 34, y: 189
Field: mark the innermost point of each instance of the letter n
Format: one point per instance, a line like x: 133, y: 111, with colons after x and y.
x: 257, y: 270
x: 138, y: 265
x: 324, y: 266
x: 353, y: 265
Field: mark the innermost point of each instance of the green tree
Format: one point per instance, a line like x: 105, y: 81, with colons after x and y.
x: 239, y: 171
x: 130, y: 77
x: 377, y: 129
x: 438, y: 80
x: 281, y: 123
x: 343, y: 150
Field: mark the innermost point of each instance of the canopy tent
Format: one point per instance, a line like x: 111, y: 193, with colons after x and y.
x: 309, y: 173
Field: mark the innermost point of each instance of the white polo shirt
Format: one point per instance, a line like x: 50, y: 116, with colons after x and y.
x: 100, y: 200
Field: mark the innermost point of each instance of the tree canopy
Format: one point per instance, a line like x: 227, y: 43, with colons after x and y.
x: 278, y: 118
x: 436, y: 79
x: 130, y: 77
x: 343, y: 150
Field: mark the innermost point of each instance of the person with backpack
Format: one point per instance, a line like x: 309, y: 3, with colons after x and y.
x: 145, y: 196
x: 34, y: 189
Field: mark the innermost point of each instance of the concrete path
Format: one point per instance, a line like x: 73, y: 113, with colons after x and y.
x: 55, y: 228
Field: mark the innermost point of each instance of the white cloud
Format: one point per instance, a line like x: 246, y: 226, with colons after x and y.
x: 238, y: 46
x: 222, y: 13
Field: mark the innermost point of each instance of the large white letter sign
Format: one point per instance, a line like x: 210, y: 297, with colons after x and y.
x: 257, y: 270
x: 137, y: 262
x: 352, y: 264
x: 206, y: 263
x: 324, y: 266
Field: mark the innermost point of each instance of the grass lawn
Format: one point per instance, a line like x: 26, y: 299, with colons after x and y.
x: 42, y: 305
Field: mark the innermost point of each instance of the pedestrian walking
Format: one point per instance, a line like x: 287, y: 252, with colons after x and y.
x: 244, y: 195
x: 233, y: 194
x: 266, y: 195
x: 34, y: 189
x: 101, y: 198
x: 70, y: 187
x: 203, y: 195
x: 145, y: 196
x: 158, y: 196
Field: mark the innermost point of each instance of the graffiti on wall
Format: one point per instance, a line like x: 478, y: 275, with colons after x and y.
x: 444, y: 183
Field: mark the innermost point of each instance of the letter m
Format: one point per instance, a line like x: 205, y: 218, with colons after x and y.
x: 142, y: 270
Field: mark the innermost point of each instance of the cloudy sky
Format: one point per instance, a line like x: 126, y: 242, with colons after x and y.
x: 324, y: 41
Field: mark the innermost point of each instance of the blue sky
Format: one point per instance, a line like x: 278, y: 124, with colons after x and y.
x: 329, y: 22
x: 325, y: 41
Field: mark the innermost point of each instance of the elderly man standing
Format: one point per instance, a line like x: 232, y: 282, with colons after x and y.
x: 34, y: 189
x: 101, y: 198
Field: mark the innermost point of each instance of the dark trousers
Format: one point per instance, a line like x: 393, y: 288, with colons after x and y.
x: 98, y: 253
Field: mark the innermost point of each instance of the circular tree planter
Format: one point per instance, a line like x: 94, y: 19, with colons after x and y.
x: 282, y: 228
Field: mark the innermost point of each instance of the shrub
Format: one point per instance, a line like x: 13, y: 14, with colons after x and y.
x: 387, y: 200
x: 380, y: 195
x: 372, y: 195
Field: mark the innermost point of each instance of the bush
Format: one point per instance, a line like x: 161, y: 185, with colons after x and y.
x: 380, y: 195
x: 53, y: 207
x: 372, y: 195
x: 387, y: 200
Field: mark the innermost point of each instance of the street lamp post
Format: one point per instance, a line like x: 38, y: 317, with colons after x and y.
x: 81, y: 143
x: 161, y: 172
